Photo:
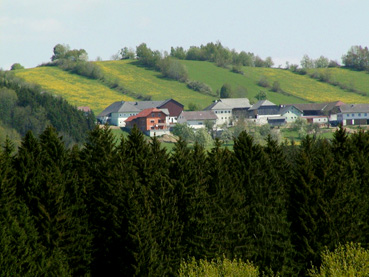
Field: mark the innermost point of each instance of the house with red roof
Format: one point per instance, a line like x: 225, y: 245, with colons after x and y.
x: 152, y: 121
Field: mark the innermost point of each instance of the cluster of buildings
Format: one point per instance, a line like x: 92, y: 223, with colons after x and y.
x: 157, y: 117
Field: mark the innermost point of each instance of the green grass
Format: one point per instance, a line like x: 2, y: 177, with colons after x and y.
x: 150, y: 82
x: 215, y: 77
x: 357, y: 79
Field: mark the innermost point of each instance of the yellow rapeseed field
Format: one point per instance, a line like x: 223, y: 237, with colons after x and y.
x: 77, y: 90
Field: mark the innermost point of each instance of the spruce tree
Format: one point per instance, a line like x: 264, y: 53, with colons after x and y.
x: 267, y: 242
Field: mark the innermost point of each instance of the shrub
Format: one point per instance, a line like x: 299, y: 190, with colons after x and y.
x: 263, y: 82
x: 200, y: 87
x: 218, y: 267
x: 346, y: 260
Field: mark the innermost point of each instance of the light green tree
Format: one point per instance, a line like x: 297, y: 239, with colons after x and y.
x: 346, y: 260
x: 218, y: 267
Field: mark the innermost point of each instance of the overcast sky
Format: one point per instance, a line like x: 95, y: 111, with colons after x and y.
x: 282, y: 29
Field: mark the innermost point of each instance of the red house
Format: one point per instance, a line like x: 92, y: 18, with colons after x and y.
x: 150, y: 121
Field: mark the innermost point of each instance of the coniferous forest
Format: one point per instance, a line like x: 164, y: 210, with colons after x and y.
x: 104, y: 209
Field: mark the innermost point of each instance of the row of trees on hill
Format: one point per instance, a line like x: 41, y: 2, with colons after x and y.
x: 25, y: 107
x: 133, y: 209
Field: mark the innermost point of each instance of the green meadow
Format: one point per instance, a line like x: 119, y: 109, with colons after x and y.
x: 81, y: 91
x: 150, y: 82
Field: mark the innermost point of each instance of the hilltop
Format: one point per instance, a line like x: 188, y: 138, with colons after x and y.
x: 297, y: 88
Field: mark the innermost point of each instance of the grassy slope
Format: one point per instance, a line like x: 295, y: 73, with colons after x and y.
x: 149, y: 82
x: 75, y: 89
x: 359, y: 79
x: 82, y: 91
x: 215, y: 77
x: 303, y: 87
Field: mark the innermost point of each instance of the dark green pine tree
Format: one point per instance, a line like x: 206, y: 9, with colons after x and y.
x: 317, y: 195
x: 152, y: 211
x: 188, y: 172
x: 21, y: 252
x: 267, y: 242
x: 224, y: 226
x: 42, y: 183
x: 359, y: 185
x: 98, y: 171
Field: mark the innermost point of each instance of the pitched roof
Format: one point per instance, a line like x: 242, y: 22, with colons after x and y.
x: 326, y: 106
x: 144, y: 113
x: 355, y: 108
x: 287, y: 108
x: 132, y: 106
x: 236, y: 102
x: 229, y: 103
x: 262, y: 103
x: 142, y: 105
x: 199, y: 115
x: 119, y: 107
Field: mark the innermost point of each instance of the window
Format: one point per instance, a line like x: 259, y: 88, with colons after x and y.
x: 359, y: 114
x: 152, y: 121
x: 152, y: 127
x: 348, y: 115
x: 221, y: 112
x: 353, y: 114
x: 365, y: 114
x: 216, y: 112
x: 200, y: 123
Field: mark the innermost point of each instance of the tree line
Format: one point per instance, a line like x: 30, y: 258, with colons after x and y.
x: 132, y: 208
x: 24, y: 107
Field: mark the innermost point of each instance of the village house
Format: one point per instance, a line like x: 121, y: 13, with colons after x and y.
x: 118, y: 112
x: 198, y: 119
x: 151, y: 121
x: 353, y: 114
x: 290, y: 113
x: 320, y: 113
x: 264, y: 112
x: 229, y: 109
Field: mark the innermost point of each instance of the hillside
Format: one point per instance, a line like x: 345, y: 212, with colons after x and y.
x: 77, y: 90
x: 81, y: 91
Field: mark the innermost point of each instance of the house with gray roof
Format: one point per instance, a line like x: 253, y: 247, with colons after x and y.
x: 118, y: 112
x: 229, y: 109
x: 197, y: 119
x: 353, y: 114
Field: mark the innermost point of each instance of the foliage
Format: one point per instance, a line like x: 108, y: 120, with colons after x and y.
x: 126, y: 53
x: 218, y: 267
x: 16, y: 66
x: 226, y: 91
x: 184, y: 131
x: 263, y: 82
x: 357, y: 58
x: 173, y: 69
x: 33, y: 110
x: 350, y: 259
x: 261, y: 95
x: 202, y: 137
x: 200, y: 87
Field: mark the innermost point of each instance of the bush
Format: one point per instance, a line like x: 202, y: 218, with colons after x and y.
x: 200, y: 87
x: 218, y: 267
x: 263, y: 82
x: 346, y: 260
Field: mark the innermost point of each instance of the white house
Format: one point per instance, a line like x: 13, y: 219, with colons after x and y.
x: 353, y: 114
x: 290, y: 112
x: 229, y: 109
x: 197, y: 119
x: 117, y: 113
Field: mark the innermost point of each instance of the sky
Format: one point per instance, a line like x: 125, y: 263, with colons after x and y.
x: 285, y: 30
